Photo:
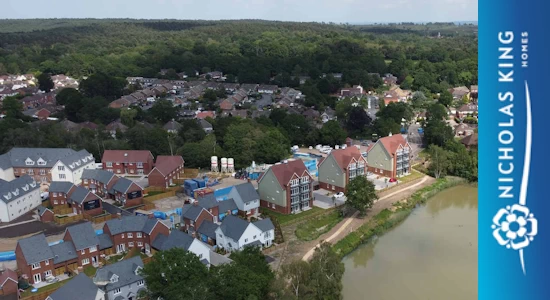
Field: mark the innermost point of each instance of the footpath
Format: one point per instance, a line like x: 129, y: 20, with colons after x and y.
x: 296, y: 249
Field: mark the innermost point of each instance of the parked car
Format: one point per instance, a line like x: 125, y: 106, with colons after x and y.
x: 393, y: 180
x: 339, y: 195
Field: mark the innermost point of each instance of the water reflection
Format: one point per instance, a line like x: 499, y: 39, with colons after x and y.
x: 431, y: 255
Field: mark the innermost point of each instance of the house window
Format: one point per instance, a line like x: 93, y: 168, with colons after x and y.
x: 254, y: 237
x: 116, y: 291
x: 139, y: 165
x: 131, y: 244
x: 61, y: 176
x: 123, y: 235
x: 36, y: 266
x: 85, y: 261
x: 30, y: 172
x: 48, y: 273
x: 130, y: 235
x: 140, y: 244
x: 93, y: 249
x: 245, y: 240
x: 83, y: 251
x: 85, y: 181
x: 47, y: 262
x: 42, y: 172
x: 220, y: 235
x: 55, y: 202
x: 138, y: 234
x: 61, y: 168
x: 141, y: 282
x: 109, y: 164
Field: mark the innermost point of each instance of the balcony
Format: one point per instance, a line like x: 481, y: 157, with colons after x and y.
x: 294, y: 191
x: 304, y: 182
x: 294, y: 183
x: 399, y: 166
x: 294, y: 200
x: 304, y: 189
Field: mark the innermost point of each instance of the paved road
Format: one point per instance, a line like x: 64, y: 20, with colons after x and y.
x: 265, y: 100
x: 350, y: 219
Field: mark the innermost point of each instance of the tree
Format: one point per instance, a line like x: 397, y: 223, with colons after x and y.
x: 332, y: 133
x: 418, y: 99
x: 357, y: 120
x: 102, y: 85
x: 127, y: 116
x: 439, y: 161
x: 407, y: 83
x: 170, y: 269
x: 436, y: 112
x: 253, y: 259
x: 361, y: 194
x: 12, y: 107
x: 163, y: 111
x: 45, y: 82
x: 191, y: 131
x: 273, y: 146
x: 66, y: 95
x: 446, y: 98
x: 437, y: 132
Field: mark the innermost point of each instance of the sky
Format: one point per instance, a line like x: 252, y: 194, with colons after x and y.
x: 338, y: 11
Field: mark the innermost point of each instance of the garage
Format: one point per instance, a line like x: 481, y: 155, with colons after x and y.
x: 59, y: 271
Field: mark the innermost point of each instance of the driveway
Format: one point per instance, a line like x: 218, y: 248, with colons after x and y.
x: 320, y: 199
x: 380, y: 183
x: 141, y: 181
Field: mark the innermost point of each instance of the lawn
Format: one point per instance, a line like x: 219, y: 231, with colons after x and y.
x: 50, y: 287
x: 315, y: 227
x: 114, y: 258
x: 283, y: 219
x: 413, y: 176
x: 89, y: 271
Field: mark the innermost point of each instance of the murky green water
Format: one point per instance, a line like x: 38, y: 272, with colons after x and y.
x: 432, y: 255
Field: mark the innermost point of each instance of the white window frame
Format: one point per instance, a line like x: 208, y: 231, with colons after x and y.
x: 36, y: 266
x: 47, y: 262
x: 92, y: 249
x: 48, y: 273
x: 130, y: 235
x: 61, y: 168
x: 140, y: 244
x: 62, y: 176
x: 117, y: 291
x: 85, y: 261
x: 138, y: 234
x: 141, y: 282
x: 83, y: 251
x: 109, y: 164
x: 130, y: 244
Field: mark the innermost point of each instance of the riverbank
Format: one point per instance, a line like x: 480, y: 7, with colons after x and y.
x: 390, y: 217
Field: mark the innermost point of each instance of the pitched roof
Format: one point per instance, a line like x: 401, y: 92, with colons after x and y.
x: 391, y: 143
x: 247, y: 192
x: 264, y: 225
x: 123, y: 184
x: 63, y: 252
x: 83, y: 236
x: 166, y: 164
x: 227, y: 205
x: 130, y: 156
x: 218, y: 259
x: 62, y: 186
x: 233, y: 227
x: 50, y: 156
x: 79, y: 287
x: 208, y: 228
x: 104, y: 241
x: 35, y: 248
x: 204, y: 114
x: 79, y: 194
x: 15, y: 189
x: 77, y: 160
x: 131, y: 223
x: 7, y: 275
x: 470, y: 140
x: 208, y: 201
x: 126, y: 270
x: 42, y: 209
x: 191, y: 211
x: 98, y: 175
x: 176, y: 239
x: 345, y: 156
x: 284, y: 172
x: 204, y: 124
x: 172, y: 125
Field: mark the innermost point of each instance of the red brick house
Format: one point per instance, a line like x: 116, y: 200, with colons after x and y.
x: 8, y: 283
x: 44, y: 214
x: 34, y: 258
x: 128, y: 161
x: 134, y: 231
x: 83, y: 201
x: 59, y: 192
x: 194, y: 214
x: 167, y: 168
x: 286, y: 188
x: 341, y: 166
x: 85, y: 241
x: 99, y: 182
x: 43, y: 114
x: 127, y: 192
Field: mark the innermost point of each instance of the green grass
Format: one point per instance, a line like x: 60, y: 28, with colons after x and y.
x: 315, y: 227
x: 283, y: 219
x: 89, y: 271
x: 115, y: 258
x: 50, y: 287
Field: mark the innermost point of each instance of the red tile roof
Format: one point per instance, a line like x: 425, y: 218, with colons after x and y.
x: 344, y: 156
x: 391, y: 143
x: 204, y: 114
x: 166, y: 163
x: 126, y: 155
x: 284, y: 171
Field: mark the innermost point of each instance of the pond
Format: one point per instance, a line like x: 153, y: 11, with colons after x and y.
x: 432, y: 255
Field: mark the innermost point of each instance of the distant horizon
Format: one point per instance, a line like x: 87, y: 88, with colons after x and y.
x: 328, y: 11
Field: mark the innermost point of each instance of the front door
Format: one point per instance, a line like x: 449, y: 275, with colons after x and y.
x: 74, y: 210
x: 94, y: 260
x: 120, y: 248
x: 36, y: 278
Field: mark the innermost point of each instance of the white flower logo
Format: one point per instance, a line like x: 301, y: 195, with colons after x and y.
x: 514, y: 227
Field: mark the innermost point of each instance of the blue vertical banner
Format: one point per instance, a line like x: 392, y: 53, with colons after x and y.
x: 514, y: 150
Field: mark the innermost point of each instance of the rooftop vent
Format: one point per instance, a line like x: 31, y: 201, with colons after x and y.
x: 125, y: 154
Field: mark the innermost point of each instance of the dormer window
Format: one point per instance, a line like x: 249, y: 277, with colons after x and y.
x: 29, y: 162
x: 16, y: 192
x: 41, y: 162
x: 114, y: 278
x: 26, y: 187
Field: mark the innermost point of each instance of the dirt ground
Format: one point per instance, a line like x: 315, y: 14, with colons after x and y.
x: 295, y: 249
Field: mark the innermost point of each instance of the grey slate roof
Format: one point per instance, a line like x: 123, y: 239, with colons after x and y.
x: 80, y: 287
x: 176, y: 239
x: 122, y: 185
x: 35, y: 248
x: 131, y: 224
x: 247, y: 192
x: 218, y: 259
x: 233, y: 227
x: 264, y: 225
x: 63, y: 252
x: 204, y: 124
x: 191, y: 211
x: 79, y: 194
x: 126, y: 270
x: 15, y: 189
x: 208, y: 228
x: 226, y: 205
x: 18, y: 156
x: 83, y: 236
x: 208, y: 201
x: 98, y: 175
x: 77, y: 160
x: 5, y: 162
x: 41, y: 210
x: 104, y: 241
x: 61, y: 186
